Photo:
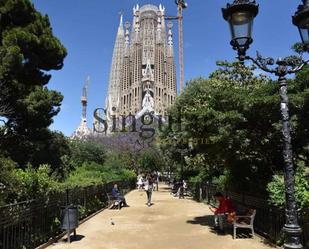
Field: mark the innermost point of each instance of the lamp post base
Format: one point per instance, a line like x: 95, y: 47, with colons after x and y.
x: 293, y: 237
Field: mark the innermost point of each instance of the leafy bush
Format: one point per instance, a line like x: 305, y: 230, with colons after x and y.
x: 91, y: 173
x: 8, y: 181
x: 86, y: 151
x: 276, y: 191
x: 35, y: 183
x: 222, y: 180
x: 19, y: 185
x: 86, y: 164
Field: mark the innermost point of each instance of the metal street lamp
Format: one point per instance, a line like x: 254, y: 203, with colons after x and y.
x: 179, y: 148
x: 240, y: 16
x: 301, y: 20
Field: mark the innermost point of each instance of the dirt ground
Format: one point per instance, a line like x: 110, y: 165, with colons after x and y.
x: 170, y: 223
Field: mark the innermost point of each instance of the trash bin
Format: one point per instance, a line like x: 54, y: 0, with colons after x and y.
x: 69, y: 218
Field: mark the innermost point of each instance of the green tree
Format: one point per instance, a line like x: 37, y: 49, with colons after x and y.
x: 91, y: 172
x: 236, y: 117
x: 87, y: 151
x: 150, y: 160
x: 28, y: 51
x: 276, y: 189
x: 8, y: 182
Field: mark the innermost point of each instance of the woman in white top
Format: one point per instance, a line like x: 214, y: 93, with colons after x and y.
x: 139, y: 182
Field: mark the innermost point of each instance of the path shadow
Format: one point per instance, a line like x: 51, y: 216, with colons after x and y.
x: 242, y: 233
x: 165, y: 189
x: 208, y: 220
x: 77, y: 237
x: 268, y: 243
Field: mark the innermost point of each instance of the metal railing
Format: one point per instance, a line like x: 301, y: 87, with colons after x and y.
x: 28, y: 224
x: 269, y: 220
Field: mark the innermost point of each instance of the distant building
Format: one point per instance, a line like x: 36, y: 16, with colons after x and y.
x: 143, y: 73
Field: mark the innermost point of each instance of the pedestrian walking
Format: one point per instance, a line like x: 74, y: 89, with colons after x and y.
x: 157, y: 180
x: 149, y: 188
x: 140, y: 182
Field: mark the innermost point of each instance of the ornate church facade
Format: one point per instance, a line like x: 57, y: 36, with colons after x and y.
x: 143, y: 73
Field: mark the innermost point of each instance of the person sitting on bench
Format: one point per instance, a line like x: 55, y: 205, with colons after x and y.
x: 225, y: 207
x: 116, y: 194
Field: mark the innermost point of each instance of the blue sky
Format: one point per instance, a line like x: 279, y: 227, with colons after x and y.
x: 88, y: 28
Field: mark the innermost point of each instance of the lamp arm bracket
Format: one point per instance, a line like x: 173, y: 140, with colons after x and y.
x: 263, y: 63
x: 299, y: 67
x: 288, y: 65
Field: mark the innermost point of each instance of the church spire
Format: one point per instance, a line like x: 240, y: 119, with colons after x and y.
x: 159, y: 30
x: 121, y: 20
x: 136, y: 24
x: 143, y: 72
x: 170, y: 43
x: 116, y: 69
x: 120, y: 28
x: 127, y: 39
x: 83, y: 131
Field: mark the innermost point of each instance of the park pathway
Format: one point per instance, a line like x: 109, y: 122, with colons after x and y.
x: 169, y: 224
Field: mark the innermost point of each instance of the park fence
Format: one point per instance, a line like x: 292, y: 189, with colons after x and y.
x: 269, y: 220
x: 28, y: 224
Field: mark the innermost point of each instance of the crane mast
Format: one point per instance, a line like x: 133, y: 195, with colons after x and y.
x: 181, y: 4
x: 181, y: 59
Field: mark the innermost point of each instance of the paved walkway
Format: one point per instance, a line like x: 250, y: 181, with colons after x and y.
x: 169, y: 224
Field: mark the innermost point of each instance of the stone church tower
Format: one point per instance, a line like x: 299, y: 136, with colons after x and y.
x: 143, y: 73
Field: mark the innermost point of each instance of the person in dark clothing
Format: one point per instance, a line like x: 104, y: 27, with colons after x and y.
x: 116, y: 194
x: 155, y: 178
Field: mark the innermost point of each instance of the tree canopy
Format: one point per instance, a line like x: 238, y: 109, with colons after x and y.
x: 28, y: 51
x: 231, y: 122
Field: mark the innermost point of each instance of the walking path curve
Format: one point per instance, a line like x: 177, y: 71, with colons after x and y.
x: 171, y: 223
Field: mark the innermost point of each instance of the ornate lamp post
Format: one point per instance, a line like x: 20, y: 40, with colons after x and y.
x: 301, y: 20
x: 240, y: 16
x: 182, y: 150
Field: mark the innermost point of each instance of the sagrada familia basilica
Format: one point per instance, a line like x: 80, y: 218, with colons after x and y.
x: 143, y: 72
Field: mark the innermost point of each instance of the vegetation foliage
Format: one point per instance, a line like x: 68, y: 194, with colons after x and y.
x: 236, y: 115
x: 35, y: 161
x: 231, y: 122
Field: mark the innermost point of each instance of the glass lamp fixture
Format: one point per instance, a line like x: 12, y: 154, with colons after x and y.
x: 240, y: 16
x: 301, y: 20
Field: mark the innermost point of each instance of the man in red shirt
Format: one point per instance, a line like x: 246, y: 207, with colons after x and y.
x: 225, y: 207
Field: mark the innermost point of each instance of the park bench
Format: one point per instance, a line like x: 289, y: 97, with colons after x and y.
x: 175, y: 187
x: 113, y: 202
x: 177, y: 190
x: 244, y: 221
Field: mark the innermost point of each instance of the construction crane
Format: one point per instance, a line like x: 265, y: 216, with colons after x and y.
x: 181, y: 5
x: 84, y: 98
